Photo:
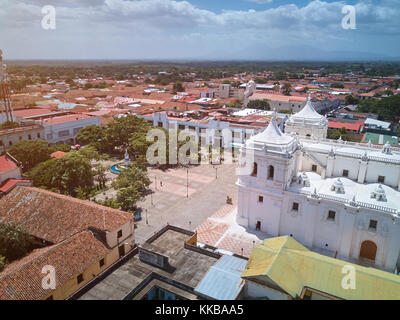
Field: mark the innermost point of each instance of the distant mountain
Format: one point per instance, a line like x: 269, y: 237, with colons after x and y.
x: 296, y: 53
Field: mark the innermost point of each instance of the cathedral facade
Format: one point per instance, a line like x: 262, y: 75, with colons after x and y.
x: 332, y: 196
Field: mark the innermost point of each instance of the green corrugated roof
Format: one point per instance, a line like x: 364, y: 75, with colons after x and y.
x: 292, y: 267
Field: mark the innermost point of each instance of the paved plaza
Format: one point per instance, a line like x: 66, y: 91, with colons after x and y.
x: 173, y: 202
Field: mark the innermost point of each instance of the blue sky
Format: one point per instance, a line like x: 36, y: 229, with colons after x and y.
x: 201, y: 29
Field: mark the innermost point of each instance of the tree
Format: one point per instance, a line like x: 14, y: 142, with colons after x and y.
x: 178, y: 87
x: 119, y: 132
x: 259, y: 104
x: 30, y: 153
x: 90, y: 134
x: 132, y: 177
x: 60, y: 147
x: 387, y: 108
x: 14, y: 242
x: 127, y: 198
x: 63, y: 174
x: 2, y: 262
x: 9, y: 125
x: 286, y: 88
x: 350, y: 100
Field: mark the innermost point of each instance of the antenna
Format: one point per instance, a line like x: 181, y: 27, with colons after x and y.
x: 5, y: 101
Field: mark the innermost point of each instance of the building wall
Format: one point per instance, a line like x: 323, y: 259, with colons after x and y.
x: 54, y: 133
x: 10, y: 174
x: 11, y: 137
x: 72, y: 286
x: 309, y: 224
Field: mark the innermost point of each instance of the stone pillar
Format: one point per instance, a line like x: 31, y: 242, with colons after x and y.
x: 393, y: 249
x: 330, y: 166
x: 347, y: 226
x: 362, y: 173
x: 309, y: 221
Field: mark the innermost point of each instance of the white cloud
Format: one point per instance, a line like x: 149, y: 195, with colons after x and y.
x: 152, y: 23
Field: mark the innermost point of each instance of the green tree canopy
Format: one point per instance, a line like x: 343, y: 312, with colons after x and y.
x: 259, y: 104
x: 64, y: 174
x: 120, y: 131
x: 90, y: 134
x: 30, y: 152
x: 14, y: 242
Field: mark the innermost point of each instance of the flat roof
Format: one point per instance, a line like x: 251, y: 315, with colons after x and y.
x: 188, y: 268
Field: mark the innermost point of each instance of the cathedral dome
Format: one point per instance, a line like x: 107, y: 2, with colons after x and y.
x: 308, y: 115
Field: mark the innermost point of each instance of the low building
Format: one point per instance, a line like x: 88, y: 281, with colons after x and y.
x: 79, y: 240
x: 9, y: 137
x: 10, y: 174
x: 282, y: 269
x: 227, y: 91
x: 168, y: 266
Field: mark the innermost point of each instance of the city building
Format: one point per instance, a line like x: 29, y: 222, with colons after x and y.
x: 332, y: 196
x: 76, y: 239
x: 227, y: 91
x: 59, y: 126
x: 282, y: 269
x: 167, y: 266
x: 10, y: 174
x: 25, y: 131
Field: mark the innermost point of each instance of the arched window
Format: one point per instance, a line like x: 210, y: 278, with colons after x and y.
x: 271, y: 172
x: 255, y: 167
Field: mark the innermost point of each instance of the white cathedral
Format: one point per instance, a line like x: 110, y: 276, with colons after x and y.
x: 336, y: 197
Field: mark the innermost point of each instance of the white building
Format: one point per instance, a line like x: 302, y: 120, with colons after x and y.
x: 338, y: 198
x: 308, y: 123
x: 63, y: 129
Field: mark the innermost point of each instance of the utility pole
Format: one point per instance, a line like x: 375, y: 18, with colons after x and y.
x: 6, y: 112
x: 147, y: 221
x: 187, y: 183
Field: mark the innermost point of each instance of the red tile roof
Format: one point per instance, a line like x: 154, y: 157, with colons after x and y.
x: 6, y: 164
x: 354, y: 126
x: 54, y: 217
x: 57, y: 154
x: 11, y: 183
x: 22, y: 279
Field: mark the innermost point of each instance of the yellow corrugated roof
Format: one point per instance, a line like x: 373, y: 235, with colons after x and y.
x: 293, y: 267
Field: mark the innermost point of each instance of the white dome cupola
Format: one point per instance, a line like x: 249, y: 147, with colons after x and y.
x: 308, y: 123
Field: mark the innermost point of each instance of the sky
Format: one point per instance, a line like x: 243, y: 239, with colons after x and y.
x: 200, y: 30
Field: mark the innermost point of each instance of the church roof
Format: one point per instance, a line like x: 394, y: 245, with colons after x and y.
x: 308, y: 112
x: 272, y: 135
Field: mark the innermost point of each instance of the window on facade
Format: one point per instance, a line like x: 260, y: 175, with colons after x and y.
x: 101, y: 262
x: 119, y: 234
x: 80, y: 278
x: 314, y: 168
x: 331, y: 215
x: 181, y: 127
x: 254, y: 173
x: 373, y: 224
x: 381, y: 179
x: 260, y: 199
x: 271, y: 172
x: 29, y: 137
x: 20, y: 138
x: 10, y: 143
x: 63, y: 133
x: 160, y: 124
x: 345, y: 173
x: 38, y: 135
x: 295, y: 206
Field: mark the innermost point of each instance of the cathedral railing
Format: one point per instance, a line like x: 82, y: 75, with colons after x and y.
x: 347, y: 201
